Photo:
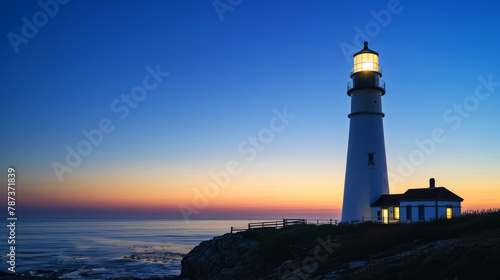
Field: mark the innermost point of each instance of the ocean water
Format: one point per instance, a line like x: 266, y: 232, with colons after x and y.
x: 105, y: 248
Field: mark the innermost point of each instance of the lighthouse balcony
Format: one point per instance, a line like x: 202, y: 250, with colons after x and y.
x: 379, y: 84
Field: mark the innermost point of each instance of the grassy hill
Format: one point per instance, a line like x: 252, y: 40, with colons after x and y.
x: 466, y: 247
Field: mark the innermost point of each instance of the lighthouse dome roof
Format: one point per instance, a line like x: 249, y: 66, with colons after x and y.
x: 365, y: 50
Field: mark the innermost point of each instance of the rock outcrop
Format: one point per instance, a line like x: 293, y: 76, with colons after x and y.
x: 230, y: 256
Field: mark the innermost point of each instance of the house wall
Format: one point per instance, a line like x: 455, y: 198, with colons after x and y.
x: 402, y: 214
x: 429, y: 209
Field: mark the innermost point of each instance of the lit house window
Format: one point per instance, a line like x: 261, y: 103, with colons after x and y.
x: 449, y: 212
x: 396, y: 213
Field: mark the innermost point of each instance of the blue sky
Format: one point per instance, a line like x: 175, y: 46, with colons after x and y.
x: 225, y: 77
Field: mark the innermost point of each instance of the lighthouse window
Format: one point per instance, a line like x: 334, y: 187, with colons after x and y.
x: 370, y: 159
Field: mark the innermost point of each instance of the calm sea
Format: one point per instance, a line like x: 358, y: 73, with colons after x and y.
x: 104, y: 248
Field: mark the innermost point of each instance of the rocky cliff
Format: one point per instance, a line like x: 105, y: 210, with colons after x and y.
x: 462, y: 248
x: 254, y: 255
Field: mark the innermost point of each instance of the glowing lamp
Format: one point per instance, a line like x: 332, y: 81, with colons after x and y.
x: 366, y: 60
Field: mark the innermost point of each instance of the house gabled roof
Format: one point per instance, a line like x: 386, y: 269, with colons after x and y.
x: 388, y: 199
x: 440, y: 193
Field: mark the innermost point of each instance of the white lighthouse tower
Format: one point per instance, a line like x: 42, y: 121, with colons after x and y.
x: 366, y: 170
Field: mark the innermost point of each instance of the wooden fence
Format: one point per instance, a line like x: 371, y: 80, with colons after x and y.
x: 325, y: 222
x: 271, y: 224
x: 284, y: 223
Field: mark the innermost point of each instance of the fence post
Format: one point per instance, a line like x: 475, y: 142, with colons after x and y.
x: 231, y: 229
x: 284, y: 222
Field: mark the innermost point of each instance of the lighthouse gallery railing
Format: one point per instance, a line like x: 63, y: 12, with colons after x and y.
x: 381, y: 84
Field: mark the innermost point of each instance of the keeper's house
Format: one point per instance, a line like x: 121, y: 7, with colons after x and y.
x: 416, y: 205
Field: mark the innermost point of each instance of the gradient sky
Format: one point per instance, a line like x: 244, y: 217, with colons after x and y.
x: 225, y: 79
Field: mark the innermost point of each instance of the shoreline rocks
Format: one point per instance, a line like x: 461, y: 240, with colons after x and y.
x: 230, y: 256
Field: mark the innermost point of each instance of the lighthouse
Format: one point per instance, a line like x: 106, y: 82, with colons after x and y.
x: 366, y: 168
